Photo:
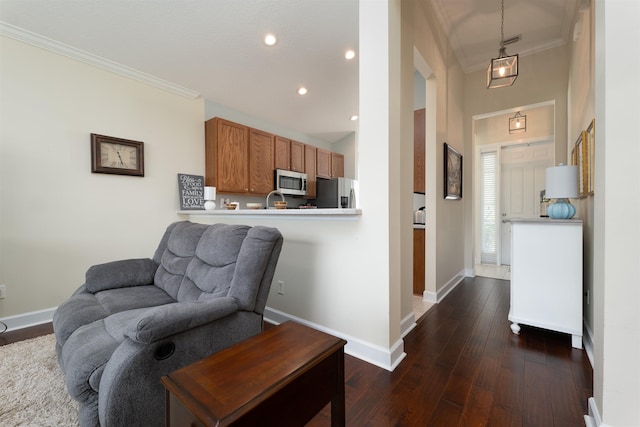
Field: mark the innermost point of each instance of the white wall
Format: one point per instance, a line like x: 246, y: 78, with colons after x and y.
x: 495, y: 129
x: 56, y: 217
x: 616, y: 211
x: 445, y: 227
x: 581, y: 111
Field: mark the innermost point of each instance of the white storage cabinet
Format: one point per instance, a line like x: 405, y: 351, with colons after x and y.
x: 546, y: 276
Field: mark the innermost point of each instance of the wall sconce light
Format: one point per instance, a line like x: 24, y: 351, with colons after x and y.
x: 503, y: 70
x: 517, y: 123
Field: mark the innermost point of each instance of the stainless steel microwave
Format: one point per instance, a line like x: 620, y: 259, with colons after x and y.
x: 291, y: 183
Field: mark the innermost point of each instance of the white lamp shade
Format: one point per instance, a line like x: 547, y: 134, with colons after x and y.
x: 209, y: 193
x: 562, y: 182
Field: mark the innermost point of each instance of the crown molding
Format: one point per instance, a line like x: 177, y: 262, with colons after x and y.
x: 50, y: 45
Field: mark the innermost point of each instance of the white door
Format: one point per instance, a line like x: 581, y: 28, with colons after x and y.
x: 523, y: 177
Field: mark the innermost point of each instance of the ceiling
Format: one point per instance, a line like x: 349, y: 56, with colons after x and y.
x: 473, y: 27
x: 214, y: 47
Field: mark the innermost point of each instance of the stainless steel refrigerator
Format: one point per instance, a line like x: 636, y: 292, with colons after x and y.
x: 336, y: 193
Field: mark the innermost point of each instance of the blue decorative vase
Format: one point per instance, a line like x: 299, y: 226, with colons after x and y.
x: 561, y: 209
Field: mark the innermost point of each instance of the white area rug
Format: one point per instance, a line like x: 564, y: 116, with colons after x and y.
x: 32, y: 391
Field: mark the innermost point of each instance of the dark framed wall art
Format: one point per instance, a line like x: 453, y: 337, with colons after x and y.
x: 452, y: 173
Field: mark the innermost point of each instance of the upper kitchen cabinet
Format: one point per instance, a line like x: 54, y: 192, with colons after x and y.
x: 323, y: 163
x: 419, y: 156
x: 337, y: 165
x: 297, y: 157
x: 261, y: 155
x: 329, y: 164
x: 282, y: 153
x: 238, y: 159
x: 310, y: 170
x: 226, y: 156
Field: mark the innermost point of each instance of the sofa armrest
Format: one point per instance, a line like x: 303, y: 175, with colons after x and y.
x: 170, y: 319
x: 120, y: 274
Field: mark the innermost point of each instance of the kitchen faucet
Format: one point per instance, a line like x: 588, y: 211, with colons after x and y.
x: 274, y: 192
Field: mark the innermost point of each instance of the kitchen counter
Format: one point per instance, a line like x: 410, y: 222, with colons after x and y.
x: 310, y: 213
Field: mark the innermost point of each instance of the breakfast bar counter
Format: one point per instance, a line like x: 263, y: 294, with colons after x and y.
x: 304, y: 213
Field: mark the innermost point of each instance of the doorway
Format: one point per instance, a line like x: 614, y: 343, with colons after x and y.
x: 425, y: 194
x: 508, y: 179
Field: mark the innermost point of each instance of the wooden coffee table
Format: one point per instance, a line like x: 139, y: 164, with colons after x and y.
x: 281, y: 377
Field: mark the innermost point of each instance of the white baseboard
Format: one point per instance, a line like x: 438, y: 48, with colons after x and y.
x: 593, y: 419
x: 407, y: 324
x: 436, y: 297
x: 26, y: 320
x: 371, y: 353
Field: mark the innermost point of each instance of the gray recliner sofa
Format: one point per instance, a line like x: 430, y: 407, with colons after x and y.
x: 135, y: 320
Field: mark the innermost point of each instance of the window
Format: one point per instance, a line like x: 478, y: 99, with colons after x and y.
x: 488, y: 206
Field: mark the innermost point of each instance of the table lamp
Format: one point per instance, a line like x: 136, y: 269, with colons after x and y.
x: 209, y: 197
x: 562, y: 184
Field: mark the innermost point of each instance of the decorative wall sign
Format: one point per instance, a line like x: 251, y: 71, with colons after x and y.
x: 191, y: 192
x: 116, y: 156
x: 452, y: 173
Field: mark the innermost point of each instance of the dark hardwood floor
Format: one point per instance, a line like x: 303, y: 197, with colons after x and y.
x: 464, y: 367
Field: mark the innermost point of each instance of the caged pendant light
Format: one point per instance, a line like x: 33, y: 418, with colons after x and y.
x: 503, y: 70
x: 517, y: 123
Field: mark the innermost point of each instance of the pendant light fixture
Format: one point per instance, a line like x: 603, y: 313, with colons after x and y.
x: 503, y: 70
x: 518, y: 123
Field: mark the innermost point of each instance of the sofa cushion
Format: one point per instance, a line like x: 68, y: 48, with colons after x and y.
x: 180, y: 250
x: 122, y: 299
x: 210, y: 272
x: 252, y: 264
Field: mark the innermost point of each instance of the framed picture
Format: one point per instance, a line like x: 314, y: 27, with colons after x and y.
x: 591, y: 151
x: 116, y: 156
x: 452, y: 173
x: 578, y: 157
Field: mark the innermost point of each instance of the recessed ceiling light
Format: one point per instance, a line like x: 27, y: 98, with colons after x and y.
x: 270, y: 40
x: 350, y: 54
x: 302, y: 90
x: 353, y: 118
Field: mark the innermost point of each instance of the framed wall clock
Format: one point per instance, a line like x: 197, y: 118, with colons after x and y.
x: 116, y: 155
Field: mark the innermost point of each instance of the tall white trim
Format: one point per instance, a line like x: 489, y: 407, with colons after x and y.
x: 91, y: 59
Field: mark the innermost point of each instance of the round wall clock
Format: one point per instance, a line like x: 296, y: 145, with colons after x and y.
x: 116, y: 155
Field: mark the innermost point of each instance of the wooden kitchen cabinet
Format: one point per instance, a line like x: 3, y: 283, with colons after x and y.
x: 310, y: 170
x: 261, y: 158
x: 297, y: 156
x: 226, y: 156
x: 282, y: 153
x: 419, y: 155
x: 238, y: 159
x: 337, y: 165
x: 418, y: 261
x: 323, y: 163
